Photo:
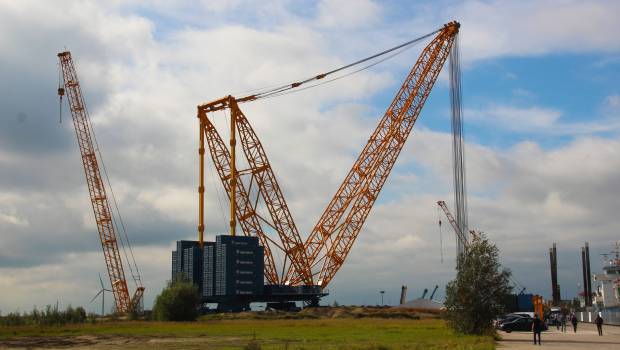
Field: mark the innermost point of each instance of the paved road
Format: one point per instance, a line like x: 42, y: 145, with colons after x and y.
x: 585, y: 338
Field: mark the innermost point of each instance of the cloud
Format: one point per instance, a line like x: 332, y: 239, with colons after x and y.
x: 524, y: 28
x: 539, y: 120
x: 347, y: 13
x: 613, y: 101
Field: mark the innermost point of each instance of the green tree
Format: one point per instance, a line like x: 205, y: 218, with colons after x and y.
x: 178, y: 301
x: 476, y: 296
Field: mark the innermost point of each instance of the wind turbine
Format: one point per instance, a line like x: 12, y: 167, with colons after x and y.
x: 102, y: 292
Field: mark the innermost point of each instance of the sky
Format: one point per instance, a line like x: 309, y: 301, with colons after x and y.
x: 541, y: 110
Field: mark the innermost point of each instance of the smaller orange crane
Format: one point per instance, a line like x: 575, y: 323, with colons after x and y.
x: 460, y: 235
x: 104, y: 218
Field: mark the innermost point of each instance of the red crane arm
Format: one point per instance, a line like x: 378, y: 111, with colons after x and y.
x: 96, y: 188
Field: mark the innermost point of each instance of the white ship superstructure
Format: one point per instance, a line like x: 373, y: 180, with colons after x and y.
x: 607, y: 293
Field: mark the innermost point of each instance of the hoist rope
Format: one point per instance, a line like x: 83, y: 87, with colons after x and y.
x: 279, y: 90
x: 123, y: 232
x: 440, y: 235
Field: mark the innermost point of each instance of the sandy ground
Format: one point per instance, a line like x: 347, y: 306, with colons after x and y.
x: 586, y: 338
x: 116, y: 342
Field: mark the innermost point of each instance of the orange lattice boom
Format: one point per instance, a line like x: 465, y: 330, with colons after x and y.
x: 96, y: 188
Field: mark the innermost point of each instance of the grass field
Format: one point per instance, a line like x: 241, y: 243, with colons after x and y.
x: 328, y: 333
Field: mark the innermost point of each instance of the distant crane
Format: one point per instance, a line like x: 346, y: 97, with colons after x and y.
x: 106, y: 223
x: 457, y: 230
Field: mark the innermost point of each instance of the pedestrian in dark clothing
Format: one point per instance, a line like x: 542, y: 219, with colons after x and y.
x: 599, y: 324
x: 537, y: 326
x: 574, y: 322
x: 563, y: 322
x: 558, y: 321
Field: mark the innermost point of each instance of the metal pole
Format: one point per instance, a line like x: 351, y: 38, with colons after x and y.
x: 585, y: 275
x: 589, y: 276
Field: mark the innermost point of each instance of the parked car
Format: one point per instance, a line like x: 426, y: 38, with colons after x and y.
x: 519, y: 324
x: 506, y: 318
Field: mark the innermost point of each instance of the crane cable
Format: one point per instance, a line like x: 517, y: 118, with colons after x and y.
x: 279, y: 90
x: 440, y: 235
x: 135, y: 276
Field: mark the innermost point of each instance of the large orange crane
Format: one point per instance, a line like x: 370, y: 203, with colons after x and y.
x: 96, y: 188
x: 316, y: 260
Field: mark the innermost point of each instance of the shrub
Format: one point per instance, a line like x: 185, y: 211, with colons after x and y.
x: 178, y: 301
x: 476, y: 296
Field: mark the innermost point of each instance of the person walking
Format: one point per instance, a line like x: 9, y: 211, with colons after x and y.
x: 563, y: 322
x: 537, y: 326
x: 573, y: 320
x: 557, y: 319
x: 599, y: 324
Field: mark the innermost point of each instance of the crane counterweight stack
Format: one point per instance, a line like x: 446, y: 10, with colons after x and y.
x: 96, y: 187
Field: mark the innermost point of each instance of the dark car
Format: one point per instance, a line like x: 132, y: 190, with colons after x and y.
x: 506, y: 318
x: 519, y: 324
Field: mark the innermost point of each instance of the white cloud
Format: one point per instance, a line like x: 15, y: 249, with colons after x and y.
x: 515, y: 28
x: 613, y: 101
x: 538, y: 120
x: 348, y: 13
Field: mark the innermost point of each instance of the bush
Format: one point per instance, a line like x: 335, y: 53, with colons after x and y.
x: 178, y: 301
x: 50, y: 316
x: 476, y: 296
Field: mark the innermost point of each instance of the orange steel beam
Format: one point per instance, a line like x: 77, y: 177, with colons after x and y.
x: 244, y: 210
x: 96, y: 188
x: 334, y: 234
x: 268, y: 189
x: 273, y: 198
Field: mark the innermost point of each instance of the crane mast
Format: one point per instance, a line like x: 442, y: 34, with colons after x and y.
x: 96, y: 188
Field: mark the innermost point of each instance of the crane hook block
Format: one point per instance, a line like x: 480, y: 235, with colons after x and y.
x: 61, y: 91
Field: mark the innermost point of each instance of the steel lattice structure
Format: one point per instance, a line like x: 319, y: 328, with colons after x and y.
x: 317, y: 260
x: 96, y: 188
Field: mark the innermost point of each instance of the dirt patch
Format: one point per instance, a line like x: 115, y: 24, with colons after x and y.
x: 330, y: 312
x: 48, y: 342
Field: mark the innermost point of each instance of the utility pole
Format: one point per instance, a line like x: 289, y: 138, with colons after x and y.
x: 555, y: 288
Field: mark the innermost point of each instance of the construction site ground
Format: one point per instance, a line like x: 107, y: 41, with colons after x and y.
x: 586, y: 338
x: 331, y: 328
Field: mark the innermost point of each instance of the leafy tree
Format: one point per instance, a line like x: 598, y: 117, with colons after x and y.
x: 178, y: 301
x: 477, y: 294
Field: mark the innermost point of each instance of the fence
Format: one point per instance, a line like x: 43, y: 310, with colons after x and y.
x: 609, y: 317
